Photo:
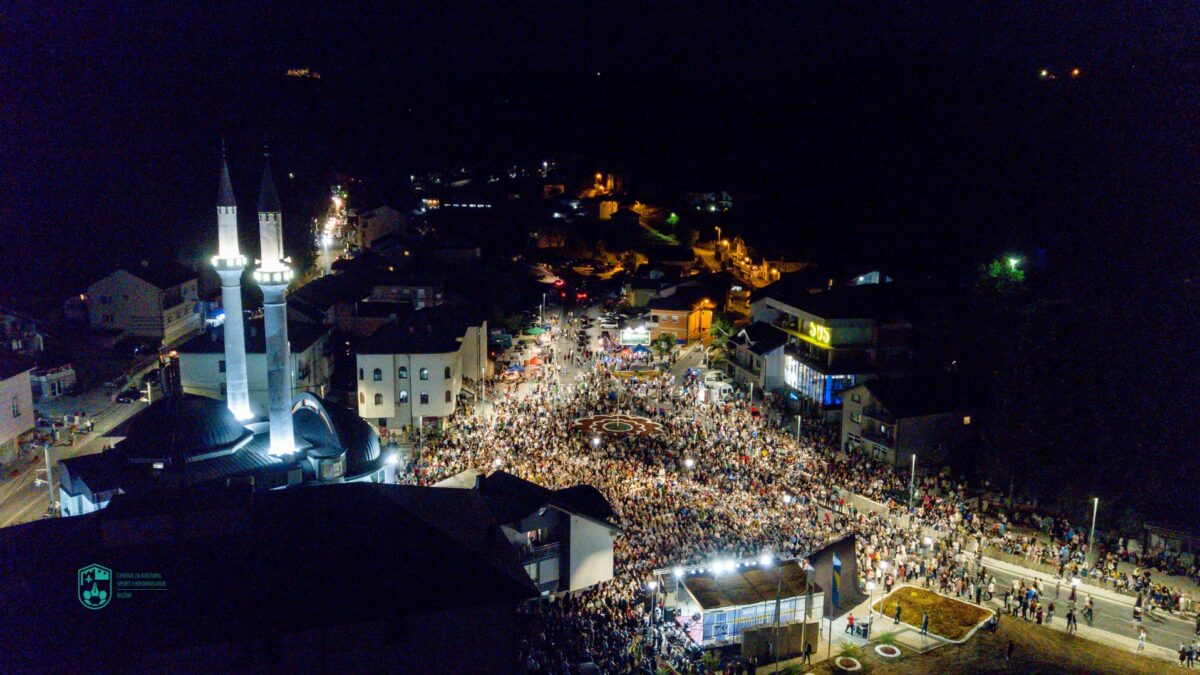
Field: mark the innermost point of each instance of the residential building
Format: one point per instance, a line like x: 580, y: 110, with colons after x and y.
x: 52, y: 378
x: 375, y: 223
x: 412, y: 370
x: 836, y: 339
x: 756, y: 357
x: 20, y: 332
x: 681, y: 316
x: 158, y: 301
x: 894, y: 419
x: 564, y: 538
x: 202, y: 362
x: 16, y: 404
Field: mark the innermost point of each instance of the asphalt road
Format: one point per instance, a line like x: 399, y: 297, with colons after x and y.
x: 1163, y: 630
x: 23, y: 500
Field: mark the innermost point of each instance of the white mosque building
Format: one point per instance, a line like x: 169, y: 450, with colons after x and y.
x: 182, y: 441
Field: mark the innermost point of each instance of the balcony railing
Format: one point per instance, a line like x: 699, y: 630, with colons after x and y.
x: 539, y: 553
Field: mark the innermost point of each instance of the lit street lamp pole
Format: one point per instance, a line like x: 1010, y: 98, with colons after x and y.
x: 1092, y: 534
x: 911, y: 481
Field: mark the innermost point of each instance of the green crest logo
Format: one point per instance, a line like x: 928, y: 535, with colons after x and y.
x: 95, y: 586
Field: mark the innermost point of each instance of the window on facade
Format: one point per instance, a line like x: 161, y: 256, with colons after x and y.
x: 856, y: 418
x: 16, y: 405
x: 360, y: 373
x: 966, y: 420
x: 448, y: 372
x: 424, y: 373
x: 653, y: 318
x: 424, y: 398
x: 378, y: 399
x: 223, y: 389
x: 221, y: 366
x: 404, y: 397
x: 856, y: 398
x: 402, y: 373
x: 377, y: 375
x: 362, y: 398
x: 447, y: 397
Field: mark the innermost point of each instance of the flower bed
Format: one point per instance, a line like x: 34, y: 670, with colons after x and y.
x: 948, y: 618
x: 847, y: 664
x: 888, y: 651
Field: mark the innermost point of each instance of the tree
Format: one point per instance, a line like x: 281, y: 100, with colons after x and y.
x: 722, y: 330
x: 663, y: 344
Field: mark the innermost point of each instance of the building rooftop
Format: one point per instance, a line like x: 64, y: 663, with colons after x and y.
x: 234, y: 564
x: 922, y: 395
x: 160, y: 274
x: 301, y: 336
x: 871, y: 301
x: 12, y: 365
x: 512, y: 498
x: 748, y: 585
x: 432, y: 330
x: 761, y: 337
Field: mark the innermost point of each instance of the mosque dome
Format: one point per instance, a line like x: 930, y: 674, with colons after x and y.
x: 193, y: 427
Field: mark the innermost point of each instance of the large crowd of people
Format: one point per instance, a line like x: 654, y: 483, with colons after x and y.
x: 718, y: 481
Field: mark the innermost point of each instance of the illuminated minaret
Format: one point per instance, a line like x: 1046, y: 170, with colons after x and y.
x: 230, y: 264
x: 273, y: 276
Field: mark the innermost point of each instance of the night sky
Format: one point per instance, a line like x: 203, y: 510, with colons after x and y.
x: 918, y: 131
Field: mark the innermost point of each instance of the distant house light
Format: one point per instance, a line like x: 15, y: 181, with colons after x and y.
x: 966, y: 420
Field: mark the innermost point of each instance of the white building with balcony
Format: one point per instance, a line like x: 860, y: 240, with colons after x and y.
x: 412, y: 370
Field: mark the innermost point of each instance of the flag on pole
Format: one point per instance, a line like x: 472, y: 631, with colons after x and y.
x: 837, y: 579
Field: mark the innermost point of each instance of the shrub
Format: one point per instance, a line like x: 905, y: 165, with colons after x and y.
x: 887, y: 638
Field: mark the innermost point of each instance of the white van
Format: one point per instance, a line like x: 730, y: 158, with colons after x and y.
x: 719, y: 392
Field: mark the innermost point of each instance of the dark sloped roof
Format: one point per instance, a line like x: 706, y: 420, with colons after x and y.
x: 870, y: 301
x: 11, y: 365
x: 922, y: 395
x: 161, y: 274
x: 431, y: 330
x: 512, y: 498
x: 301, y: 336
x: 671, y: 303
x: 233, y: 564
x: 761, y: 337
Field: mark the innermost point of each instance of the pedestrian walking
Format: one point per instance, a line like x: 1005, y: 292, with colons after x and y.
x: 925, y: 623
x: 1050, y: 613
x: 897, y: 621
x: 808, y: 650
x: 1072, y: 624
x: 850, y: 623
x: 1183, y: 654
x: 1141, y: 643
x: 1008, y: 654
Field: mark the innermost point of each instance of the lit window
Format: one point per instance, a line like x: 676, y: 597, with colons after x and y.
x: 424, y: 374
x: 404, y: 397
x: 362, y: 398
x: 377, y: 375
x: 966, y: 420
x: 402, y: 373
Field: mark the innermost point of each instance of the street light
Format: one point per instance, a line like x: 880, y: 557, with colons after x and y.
x: 1092, y: 534
x: 870, y: 600
x: 689, y: 463
x: 595, y: 441
x: 912, y: 475
x: 1013, y: 262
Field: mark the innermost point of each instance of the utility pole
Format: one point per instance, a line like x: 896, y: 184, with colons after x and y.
x: 50, y: 482
x: 911, y: 480
x: 1092, y: 534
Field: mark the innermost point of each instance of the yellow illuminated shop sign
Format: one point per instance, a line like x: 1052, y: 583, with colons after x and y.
x: 818, y: 334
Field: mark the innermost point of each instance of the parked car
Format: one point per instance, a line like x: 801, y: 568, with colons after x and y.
x: 129, y: 396
x: 117, y: 382
x: 716, y: 376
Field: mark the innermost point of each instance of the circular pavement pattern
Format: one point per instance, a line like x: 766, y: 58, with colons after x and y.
x: 617, y: 425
